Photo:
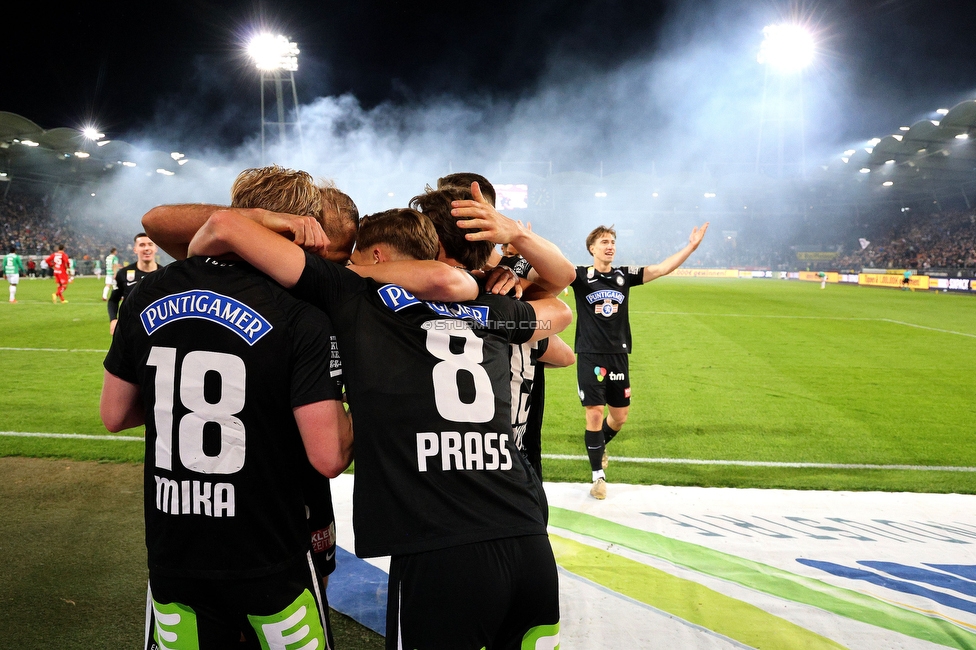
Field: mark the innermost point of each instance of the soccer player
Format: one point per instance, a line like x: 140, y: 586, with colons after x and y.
x: 111, y: 267
x: 129, y: 276
x: 527, y: 360
x: 58, y: 263
x: 13, y: 266
x: 603, y: 340
x: 439, y: 483
x: 231, y: 375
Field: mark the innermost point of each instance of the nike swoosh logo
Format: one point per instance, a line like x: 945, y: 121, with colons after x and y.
x: 593, y: 280
x: 329, y: 556
x: 129, y: 284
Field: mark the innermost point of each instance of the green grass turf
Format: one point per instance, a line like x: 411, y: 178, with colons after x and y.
x: 769, y: 370
x: 757, y: 370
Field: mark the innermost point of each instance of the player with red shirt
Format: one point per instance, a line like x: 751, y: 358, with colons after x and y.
x: 58, y: 263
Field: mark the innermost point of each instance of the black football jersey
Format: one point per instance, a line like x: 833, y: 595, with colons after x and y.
x: 602, y: 323
x: 222, y: 355
x: 528, y: 399
x: 126, y: 280
x: 428, y: 385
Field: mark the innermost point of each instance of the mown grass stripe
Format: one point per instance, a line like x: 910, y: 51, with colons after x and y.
x: 768, y: 579
x: 686, y: 599
x: 762, y: 463
x: 74, y: 436
x: 53, y: 350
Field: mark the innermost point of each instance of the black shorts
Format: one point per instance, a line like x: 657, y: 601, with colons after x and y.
x: 502, y: 594
x: 603, y: 379
x: 214, y: 613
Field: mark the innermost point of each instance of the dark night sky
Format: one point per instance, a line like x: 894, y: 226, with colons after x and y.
x: 126, y: 65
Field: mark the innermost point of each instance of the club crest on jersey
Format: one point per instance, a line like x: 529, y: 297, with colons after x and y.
x: 199, y: 303
x: 620, y: 280
x: 605, y: 302
x: 130, y: 275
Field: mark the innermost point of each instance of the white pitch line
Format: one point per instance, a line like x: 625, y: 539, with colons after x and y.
x: 52, y: 350
x: 758, y: 463
x: 787, y: 317
x: 74, y: 436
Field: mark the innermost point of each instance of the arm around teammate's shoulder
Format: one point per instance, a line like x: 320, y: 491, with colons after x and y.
x: 552, y: 316
x: 558, y: 354
x: 227, y: 231
x: 425, y: 279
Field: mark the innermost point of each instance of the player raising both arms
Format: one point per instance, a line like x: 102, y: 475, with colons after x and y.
x: 58, y: 263
x: 603, y: 341
x: 440, y: 485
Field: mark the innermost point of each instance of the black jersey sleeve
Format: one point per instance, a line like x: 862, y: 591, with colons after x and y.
x: 326, y: 285
x: 579, y: 284
x: 116, y: 296
x: 518, y: 264
x: 514, y: 319
x: 635, y: 275
x: 119, y: 361
x: 311, y: 348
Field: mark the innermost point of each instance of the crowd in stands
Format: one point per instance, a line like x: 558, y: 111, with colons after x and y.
x: 28, y: 224
x: 936, y: 241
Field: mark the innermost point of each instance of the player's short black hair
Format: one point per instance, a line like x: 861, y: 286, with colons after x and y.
x: 13, y: 249
x: 436, y: 205
x: 136, y: 238
x: 464, y: 179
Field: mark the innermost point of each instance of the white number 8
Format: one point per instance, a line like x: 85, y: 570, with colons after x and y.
x: 447, y: 396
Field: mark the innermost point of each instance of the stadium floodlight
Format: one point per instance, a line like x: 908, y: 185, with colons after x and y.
x: 873, y: 141
x: 786, y: 47
x: 890, y: 162
x: 91, y: 133
x: 165, y: 172
x: 29, y: 143
x: 709, y: 195
x: 865, y: 170
x: 82, y: 154
x: 888, y: 183
x: 176, y: 155
x: 962, y: 136
x: 271, y: 52
x: 904, y: 128
x: 600, y: 195
x: 942, y: 111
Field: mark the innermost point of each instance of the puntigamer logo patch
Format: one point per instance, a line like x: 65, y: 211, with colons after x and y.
x: 198, y: 303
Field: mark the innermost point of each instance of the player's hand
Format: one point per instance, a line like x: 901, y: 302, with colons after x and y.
x: 697, y: 234
x: 501, y: 281
x: 307, y: 232
x: 480, y: 214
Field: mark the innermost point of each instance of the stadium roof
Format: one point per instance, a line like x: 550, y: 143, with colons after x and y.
x: 929, y: 156
x: 64, y: 156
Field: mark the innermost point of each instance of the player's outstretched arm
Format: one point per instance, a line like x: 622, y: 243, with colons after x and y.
x: 327, y: 435
x: 426, y: 279
x: 552, y: 315
x: 654, y: 271
x: 227, y: 231
x: 553, y: 271
x: 558, y: 354
x: 120, y: 405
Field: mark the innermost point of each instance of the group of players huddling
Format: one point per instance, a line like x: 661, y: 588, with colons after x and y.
x: 236, y: 358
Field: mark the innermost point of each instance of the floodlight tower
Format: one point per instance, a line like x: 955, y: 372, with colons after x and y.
x: 277, y: 59
x: 785, y: 51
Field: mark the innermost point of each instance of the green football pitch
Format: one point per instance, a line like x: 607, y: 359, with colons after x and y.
x: 741, y: 383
